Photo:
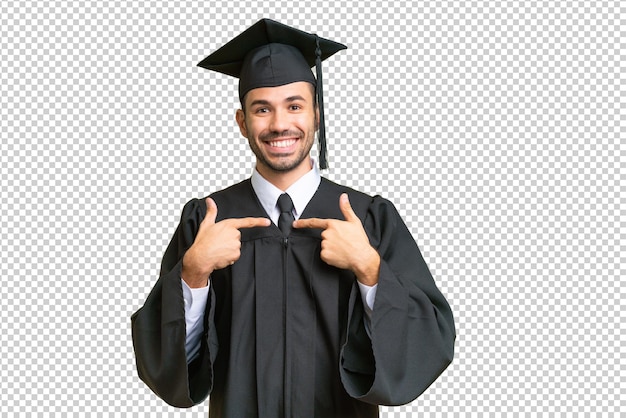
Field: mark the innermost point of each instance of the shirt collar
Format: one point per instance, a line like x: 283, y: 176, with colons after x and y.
x: 301, y: 192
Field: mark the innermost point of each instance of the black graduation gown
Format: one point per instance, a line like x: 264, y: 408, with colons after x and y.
x: 284, y: 332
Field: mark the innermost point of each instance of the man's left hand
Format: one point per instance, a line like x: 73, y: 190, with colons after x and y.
x: 345, y: 244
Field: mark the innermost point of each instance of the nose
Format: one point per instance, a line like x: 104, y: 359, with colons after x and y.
x: 279, y: 121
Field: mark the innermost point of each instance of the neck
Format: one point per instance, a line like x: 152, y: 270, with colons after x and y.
x: 284, y: 179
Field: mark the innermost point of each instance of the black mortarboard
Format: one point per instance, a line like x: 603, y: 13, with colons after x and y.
x: 270, y: 54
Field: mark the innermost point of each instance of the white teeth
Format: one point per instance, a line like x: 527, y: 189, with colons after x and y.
x: 283, y: 144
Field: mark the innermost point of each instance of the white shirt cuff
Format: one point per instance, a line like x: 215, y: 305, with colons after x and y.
x: 195, y: 300
x: 368, y: 294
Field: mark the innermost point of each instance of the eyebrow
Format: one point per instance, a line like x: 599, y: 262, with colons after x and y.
x: 259, y: 102
x: 294, y: 98
x: 267, y: 103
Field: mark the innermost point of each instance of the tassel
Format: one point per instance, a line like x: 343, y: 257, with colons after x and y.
x: 320, y: 101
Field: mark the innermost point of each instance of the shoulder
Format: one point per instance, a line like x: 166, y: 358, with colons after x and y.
x: 357, y: 197
x: 232, y: 192
x: 196, y: 207
x: 330, y: 188
x: 193, y: 209
x: 364, y: 205
x: 237, y: 201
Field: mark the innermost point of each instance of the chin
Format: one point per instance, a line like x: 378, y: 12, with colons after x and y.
x: 284, y: 165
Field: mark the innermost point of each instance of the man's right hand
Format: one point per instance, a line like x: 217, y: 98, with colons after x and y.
x: 217, y: 245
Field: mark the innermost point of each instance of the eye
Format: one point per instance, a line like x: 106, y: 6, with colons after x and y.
x: 261, y: 110
x: 295, y: 107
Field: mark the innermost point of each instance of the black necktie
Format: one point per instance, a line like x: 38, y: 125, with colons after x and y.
x: 286, y: 213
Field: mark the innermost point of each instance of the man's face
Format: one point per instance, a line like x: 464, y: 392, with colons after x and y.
x: 280, y: 124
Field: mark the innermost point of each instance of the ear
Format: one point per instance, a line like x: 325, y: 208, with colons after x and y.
x: 317, y: 118
x: 241, y: 121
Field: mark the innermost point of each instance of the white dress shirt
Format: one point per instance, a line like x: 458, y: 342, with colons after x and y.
x: 301, y: 193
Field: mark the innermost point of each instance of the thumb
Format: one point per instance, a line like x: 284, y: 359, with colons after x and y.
x: 211, y: 211
x: 346, y: 209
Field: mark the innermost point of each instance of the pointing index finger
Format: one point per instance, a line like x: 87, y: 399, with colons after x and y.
x: 240, y: 223
x: 312, y: 223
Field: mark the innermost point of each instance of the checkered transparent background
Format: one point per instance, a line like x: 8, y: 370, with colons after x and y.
x: 495, y: 127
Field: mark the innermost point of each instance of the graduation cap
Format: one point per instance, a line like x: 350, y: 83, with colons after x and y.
x: 270, y: 54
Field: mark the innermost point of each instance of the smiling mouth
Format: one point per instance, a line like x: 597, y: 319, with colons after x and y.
x: 285, y: 143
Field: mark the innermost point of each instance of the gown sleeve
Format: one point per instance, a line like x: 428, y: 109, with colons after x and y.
x: 412, y: 334
x: 158, y: 327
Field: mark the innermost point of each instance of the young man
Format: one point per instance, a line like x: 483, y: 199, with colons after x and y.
x: 287, y: 295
